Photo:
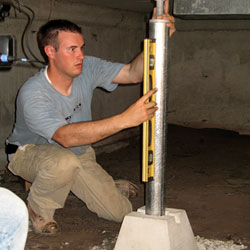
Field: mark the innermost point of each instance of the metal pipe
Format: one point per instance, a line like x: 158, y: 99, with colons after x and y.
x: 155, y: 189
x: 159, y: 7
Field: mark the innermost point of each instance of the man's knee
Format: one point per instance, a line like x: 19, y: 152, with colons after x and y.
x: 119, y: 211
x: 64, y: 165
x: 119, y: 217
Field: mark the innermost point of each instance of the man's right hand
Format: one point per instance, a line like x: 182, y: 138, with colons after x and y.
x: 140, y: 111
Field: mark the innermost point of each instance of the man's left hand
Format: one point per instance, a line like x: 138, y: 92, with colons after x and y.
x: 166, y: 16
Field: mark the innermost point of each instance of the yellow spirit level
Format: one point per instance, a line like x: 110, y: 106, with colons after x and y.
x: 148, y: 126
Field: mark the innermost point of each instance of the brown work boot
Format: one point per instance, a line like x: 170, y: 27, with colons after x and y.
x: 40, y: 225
x: 127, y: 188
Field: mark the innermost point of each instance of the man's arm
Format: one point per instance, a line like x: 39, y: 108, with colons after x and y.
x: 133, y: 72
x: 83, y: 133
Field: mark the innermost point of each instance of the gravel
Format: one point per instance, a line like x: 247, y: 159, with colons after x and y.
x: 208, y: 244
x: 202, y: 243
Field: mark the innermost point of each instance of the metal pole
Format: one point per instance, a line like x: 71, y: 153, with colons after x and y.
x: 155, y: 188
x: 159, y: 7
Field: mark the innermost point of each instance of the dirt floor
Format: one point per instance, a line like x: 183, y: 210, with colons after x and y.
x: 208, y: 175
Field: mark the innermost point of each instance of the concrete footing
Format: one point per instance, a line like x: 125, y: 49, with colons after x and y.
x: 171, y: 231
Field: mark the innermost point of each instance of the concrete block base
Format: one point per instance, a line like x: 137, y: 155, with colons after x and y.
x: 171, y: 231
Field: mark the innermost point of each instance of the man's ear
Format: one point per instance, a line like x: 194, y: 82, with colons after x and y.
x: 49, y: 50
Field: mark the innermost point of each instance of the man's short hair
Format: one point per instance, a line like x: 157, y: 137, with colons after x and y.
x: 48, y: 33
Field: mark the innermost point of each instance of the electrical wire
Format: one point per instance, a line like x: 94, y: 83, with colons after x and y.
x: 25, y: 39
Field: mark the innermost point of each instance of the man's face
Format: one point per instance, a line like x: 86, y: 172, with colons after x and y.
x: 69, y: 56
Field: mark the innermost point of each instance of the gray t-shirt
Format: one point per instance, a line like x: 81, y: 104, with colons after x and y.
x: 41, y: 109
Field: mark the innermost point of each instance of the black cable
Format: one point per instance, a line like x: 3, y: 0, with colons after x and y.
x: 28, y: 29
x: 25, y: 34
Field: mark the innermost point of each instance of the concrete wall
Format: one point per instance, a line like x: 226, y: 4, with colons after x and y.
x: 209, y: 74
x: 109, y: 34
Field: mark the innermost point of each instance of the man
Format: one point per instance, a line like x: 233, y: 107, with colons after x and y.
x: 50, y: 143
